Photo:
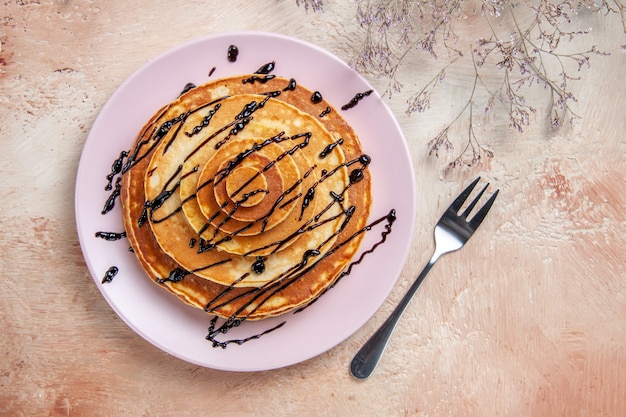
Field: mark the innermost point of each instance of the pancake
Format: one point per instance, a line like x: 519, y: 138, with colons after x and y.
x: 246, y: 197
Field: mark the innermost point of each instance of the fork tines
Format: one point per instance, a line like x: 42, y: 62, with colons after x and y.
x: 480, y: 215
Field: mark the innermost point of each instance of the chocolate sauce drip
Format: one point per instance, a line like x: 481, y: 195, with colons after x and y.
x: 213, y: 333
x: 247, y: 111
x: 188, y: 87
x: 291, y: 86
x: 110, y: 203
x: 337, y: 197
x: 177, y: 275
x: 266, y: 69
x: 257, y: 79
x: 258, y: 267
x: 355, y: 100
x: 205, y: 121
x: 205, y: 245
x: 160, y: 199
x: 232, y: 53
x: 136, y: 156
x: 364, y: 160
x: 272, y: 94
x: 242, y: 120
x: 138, y: 153
x: 290, y: 189
x: 390, y: 218
x: 310, y: 195
x: 143, y: 218
x: 110, y: 274
x: 213, y: 265
x: 203, y: 229
x: 165, y: 194
x: 328, y: 149
x: 325, y: 112
x: 116, y: 168
x: 311, y: 253
x: 316, y: 97
x: 179, y: 121
x: 212, y: 71
x: 110, y: 236
x: 167, y: 125
x: 229, y: 215
x: 210, y: 307
x: 357, y: 174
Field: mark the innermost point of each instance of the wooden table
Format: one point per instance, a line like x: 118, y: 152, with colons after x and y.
x: 527, y: 320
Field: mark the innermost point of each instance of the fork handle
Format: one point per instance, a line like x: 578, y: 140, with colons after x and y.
x: 366, y: 359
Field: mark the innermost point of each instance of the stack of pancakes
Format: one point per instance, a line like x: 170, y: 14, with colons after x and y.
x: 246, y: 197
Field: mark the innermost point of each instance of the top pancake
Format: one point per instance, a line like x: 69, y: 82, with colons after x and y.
x: 238, y: 198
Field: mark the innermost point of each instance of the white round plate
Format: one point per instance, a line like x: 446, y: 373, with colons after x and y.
x: 161, y: 318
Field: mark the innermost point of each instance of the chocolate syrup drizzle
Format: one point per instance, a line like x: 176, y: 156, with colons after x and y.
x: 188, y: 87
x: 317, y: 97
x: 232, y: 53
x: 116, y: 168
x: 311, y: 257
x: 356, y: 99
x: 325, y: 112
x: 213, y: 333
x: 110, y: 203
x: 110, y: 236
x: 110, y: 274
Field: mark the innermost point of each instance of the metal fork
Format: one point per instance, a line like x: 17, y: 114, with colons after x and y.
x: 451, y: 232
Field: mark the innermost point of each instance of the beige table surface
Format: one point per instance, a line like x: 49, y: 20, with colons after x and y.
x: 528, y: 320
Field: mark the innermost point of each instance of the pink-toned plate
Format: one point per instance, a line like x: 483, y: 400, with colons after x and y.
x: 161, y: 318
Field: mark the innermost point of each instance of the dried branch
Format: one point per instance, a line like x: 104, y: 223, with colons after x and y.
x: 531, y: 54
x: 313, y: 5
